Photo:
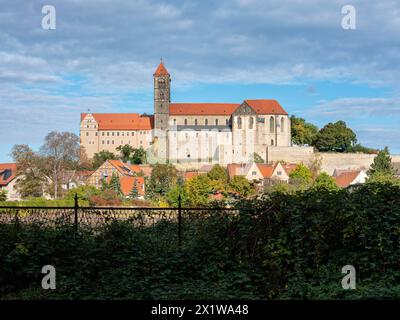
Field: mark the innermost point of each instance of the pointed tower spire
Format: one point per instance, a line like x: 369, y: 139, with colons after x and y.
x: 161, y: 69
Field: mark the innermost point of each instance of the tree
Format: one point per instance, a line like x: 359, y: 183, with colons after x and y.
x: 198, y: 189
x: 139, y: 156
x: 125, y: 152
x: 173, y: 194
x: 302, y: 131
x: 218, y: 173
x: 163, y: 177
x: 101, y: 157
x: 335, y: 137
x: 241, y: 186
x: 3, y: 195
x: 257, y: 158
x: 325, y: 181
x: 83, y: 192
x: 382, y: 164
x: 30, y: 177
x: 134, y: 194
x: 115, y: 184
x: 60, y: 152
x: 301, y: 177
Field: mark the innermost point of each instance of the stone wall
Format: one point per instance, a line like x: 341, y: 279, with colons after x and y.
x: 329, y: 161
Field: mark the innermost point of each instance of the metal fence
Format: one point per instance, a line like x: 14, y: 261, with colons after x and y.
x: 94, y: 217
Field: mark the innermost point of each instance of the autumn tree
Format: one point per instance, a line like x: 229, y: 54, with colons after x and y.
x: 30, y: 176
x: 59, y: 153
x: 198, y: 189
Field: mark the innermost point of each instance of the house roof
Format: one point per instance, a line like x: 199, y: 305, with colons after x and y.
x: 127, y: 183
x: 202, y: 108
x: 123, y: 168
x: 190, y: 174
x: 266, y: 106
x: 267, y: 170
x: 289, y: 167
x: 8, y: 172
x: 345, y: 178
x: 238, y: 169
x: 161, y: 70
x: 122, y: 121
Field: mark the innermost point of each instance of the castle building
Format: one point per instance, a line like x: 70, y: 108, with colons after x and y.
x: 190, y: 133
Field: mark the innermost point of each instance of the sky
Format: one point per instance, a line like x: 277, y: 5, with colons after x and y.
x: 103, y: 53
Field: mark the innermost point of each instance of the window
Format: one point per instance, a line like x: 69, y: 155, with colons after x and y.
x: 272, y: 142
x: 195, y: 122
x: 282, y: 124
x: 102, y: 134
x: 206, y: 122
x: 279, y: 173
x: 239, y: 123
x: 96, y: 134
x: 132, y: 133
x: 112, y: 133
x: 251, y: 123
x: 254, y: 173
x: 117, y: 134
x: 174, y: 122
x: 216, y: 122
x: 271, y: 125
x: 185, y: 122
x: 87, y: 134
x: 102, y: 141
x: 108, y: 134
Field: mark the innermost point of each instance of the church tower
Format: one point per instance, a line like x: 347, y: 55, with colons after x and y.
x: 162, y: 99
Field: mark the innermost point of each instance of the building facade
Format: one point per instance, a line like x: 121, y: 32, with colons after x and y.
x: 190, y: 133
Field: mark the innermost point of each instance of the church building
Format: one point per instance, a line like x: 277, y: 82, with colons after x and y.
x: 190, y: 134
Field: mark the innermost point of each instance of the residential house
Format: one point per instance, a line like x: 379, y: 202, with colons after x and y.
x: 346, y: 178
x: 8, y: 179
x: 129, y: 182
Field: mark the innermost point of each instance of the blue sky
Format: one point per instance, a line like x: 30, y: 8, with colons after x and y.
x: 103, y: 54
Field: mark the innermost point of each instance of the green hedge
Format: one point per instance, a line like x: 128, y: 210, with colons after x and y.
x: 285, y: 247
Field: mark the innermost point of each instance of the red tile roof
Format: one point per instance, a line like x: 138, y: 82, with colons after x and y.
x: 190, y: 174
x: 345, y: 178
x: 202, y: 108
x: 289, y: 167
x: 8, y: 172
x: 120, y: 166
x: 266, y: 106
x: 122, y: 121
x: 161, y: 70
x: 128, y: 182
x: 266, y: 170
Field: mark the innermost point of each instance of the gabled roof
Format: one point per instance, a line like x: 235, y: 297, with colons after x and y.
x: 266, y: 170
x: 266, y: 106
x: 122, y: 121
x: 128, y: 182
x: 345, y: 178
x: 120, y: 166
x: 8, y: 172
x: 161, y: 70
x: 202, y: 108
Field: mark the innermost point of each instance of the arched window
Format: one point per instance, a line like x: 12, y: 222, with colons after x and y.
x: 239, y: 122
x: 206, y: 122
x: 271, y: 125
x: 185, y: 122
x: 282, y: 124
x: 251, y: 123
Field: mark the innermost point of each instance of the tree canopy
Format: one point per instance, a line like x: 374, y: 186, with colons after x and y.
x: 302, y: 131
x: 335, y: 137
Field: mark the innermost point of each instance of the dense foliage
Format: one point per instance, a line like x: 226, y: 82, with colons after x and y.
x: 280, y: 246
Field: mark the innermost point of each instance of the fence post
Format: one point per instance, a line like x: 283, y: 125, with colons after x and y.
x: 76, y: 212
x: 179, y: 221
